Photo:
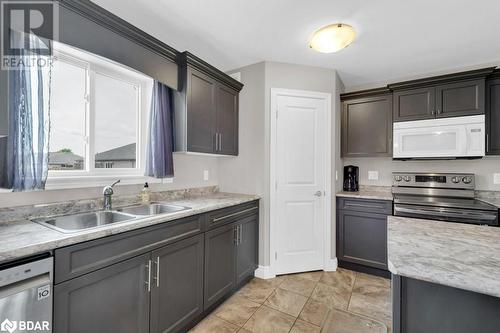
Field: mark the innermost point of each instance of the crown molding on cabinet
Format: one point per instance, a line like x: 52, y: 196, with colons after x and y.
x: 365, y: 93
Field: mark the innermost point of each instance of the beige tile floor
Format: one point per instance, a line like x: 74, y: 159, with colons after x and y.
x: 332, y: 302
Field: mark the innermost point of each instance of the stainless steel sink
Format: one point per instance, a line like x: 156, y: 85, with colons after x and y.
x: 152, y: 209
x: 78, y: 222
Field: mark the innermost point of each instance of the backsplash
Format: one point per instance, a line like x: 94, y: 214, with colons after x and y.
x: 78, y: 206
x: 482, y: 168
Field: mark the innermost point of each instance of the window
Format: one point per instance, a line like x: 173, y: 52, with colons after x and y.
x: 99, y: 115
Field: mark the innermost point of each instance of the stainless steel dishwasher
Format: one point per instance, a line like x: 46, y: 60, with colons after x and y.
x: 26, y: 296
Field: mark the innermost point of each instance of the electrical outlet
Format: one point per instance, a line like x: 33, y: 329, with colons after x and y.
x: 496, y: 178
x: 205, y: 175
x: 372, y: 175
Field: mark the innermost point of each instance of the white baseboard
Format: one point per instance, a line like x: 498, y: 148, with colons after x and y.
x: 264, y: 272
x: 331, y: 265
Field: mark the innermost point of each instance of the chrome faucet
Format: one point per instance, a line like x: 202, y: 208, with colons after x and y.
x: 108, y: 192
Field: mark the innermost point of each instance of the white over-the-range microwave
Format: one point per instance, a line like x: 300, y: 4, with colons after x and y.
x: 455, y: 137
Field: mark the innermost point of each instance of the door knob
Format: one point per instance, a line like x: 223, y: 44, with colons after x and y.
x: 318, y: 193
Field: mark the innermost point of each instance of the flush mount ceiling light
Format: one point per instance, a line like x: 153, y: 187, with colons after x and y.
x: 332, y: 38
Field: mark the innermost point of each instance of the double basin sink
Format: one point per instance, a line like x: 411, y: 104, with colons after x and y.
x: 83, y: 221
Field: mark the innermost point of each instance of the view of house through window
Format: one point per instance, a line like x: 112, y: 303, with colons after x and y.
x: 97, y: 115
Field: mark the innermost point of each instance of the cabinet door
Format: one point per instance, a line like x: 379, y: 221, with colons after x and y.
x: 367, y: 127
x: 112, y: 299
x: 200, y: 112
x: 460, y: 98
x: 362, y: 238
x: 493, y: 118
x: 177, y: 288
x: 4, y: 116
x: 247, y: 249
x: 219, y: 263
x: 227, y: 120
x: 414, y: 104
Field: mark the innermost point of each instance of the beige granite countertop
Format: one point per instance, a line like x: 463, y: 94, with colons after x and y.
x: 23, y: 238
x: 369, y: 192
x: 453, y: 254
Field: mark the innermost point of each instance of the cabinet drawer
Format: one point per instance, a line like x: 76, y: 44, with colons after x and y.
x: 231, y: 214
x: 365, y: 205
x: 75, y: 260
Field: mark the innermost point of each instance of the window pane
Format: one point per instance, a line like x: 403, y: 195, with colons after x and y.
x: 67, y: 117
x: 116, y: 104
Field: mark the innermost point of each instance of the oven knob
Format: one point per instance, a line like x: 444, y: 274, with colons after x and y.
x: 467, y: 180
x: 407, y: 178
x: 455, y: 179
x: 398, y: 178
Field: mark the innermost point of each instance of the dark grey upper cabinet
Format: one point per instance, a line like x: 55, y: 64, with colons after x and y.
x: 206, y: 108
x: 227, y: 121
x: 219, y: 263
x: 457, y: 94
x: 177, y: 290
x: 247, y: 247
x: 414, y: 104
x: 113, y: 299
x: 367, y: 126
x: 460, y: 98
x: 493, y: 116
x: 4, y: 108
x: 201, y: 118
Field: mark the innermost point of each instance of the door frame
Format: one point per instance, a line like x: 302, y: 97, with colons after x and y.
x: 329, y: 263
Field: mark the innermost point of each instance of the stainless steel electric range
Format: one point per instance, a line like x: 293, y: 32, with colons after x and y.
x: 440, y: 196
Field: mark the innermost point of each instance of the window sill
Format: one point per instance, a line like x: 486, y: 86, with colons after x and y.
x: 59, y: 183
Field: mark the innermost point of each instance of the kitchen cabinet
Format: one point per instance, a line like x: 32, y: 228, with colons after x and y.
x: 247, y: 247
x: 362, y: 233
x: 219, y: 263
x: 113, y: 299
x: 177, y: 285
x: 463, y: 98
x: 414, y: 104
x: 367, y: 125
x: 162, y: 278
x: 4, y: 107
x: 493, y: 116
x: 206, y: 108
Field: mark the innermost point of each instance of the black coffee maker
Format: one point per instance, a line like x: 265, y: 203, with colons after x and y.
x: 351, y: 178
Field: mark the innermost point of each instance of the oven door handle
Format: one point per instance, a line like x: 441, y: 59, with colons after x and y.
x: 483, y: 216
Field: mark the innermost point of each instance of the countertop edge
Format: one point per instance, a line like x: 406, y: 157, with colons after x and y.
x: 67, y: 239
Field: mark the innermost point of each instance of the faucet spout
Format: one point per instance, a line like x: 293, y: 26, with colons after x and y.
x: 108, y: 193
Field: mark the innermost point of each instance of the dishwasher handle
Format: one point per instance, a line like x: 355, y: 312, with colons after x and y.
x: 30, y: 283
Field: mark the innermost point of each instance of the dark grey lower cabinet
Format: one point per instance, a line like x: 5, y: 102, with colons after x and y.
x: 247, y: 248
x: 112, y: 299
x: 177, y: 285
x: 219, y: 263
x: 362, y: 232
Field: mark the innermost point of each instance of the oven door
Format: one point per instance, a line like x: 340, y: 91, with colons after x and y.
x: 483, y: 217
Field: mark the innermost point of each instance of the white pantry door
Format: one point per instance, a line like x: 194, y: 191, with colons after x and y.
x: 300, y: 161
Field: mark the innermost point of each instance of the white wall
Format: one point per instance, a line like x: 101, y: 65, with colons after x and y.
x: 483, y: 168
x: 188, y: 171
x: 253, y: 165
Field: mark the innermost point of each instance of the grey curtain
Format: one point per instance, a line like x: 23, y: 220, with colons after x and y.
x: 159, y: 160
x: 26, y: 148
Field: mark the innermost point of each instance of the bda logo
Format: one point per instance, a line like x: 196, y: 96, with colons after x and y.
x: 8, y: 325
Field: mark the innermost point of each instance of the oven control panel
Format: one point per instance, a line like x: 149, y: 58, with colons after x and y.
x: 434, y: 180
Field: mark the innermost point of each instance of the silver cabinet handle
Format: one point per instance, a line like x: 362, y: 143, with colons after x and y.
x: 157, y: 277
x: 233, y: 214
x: 148, y: 282
x: 318, y: 193
x: 241, y: 234
x: 220, y: 141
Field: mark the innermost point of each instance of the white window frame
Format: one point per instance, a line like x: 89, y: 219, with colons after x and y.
x: 92, y: 176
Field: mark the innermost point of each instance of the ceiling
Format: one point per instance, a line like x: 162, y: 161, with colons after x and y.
x: 396, y: 38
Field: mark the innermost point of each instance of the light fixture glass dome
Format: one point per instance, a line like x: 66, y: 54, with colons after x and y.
x: 332, y: 38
